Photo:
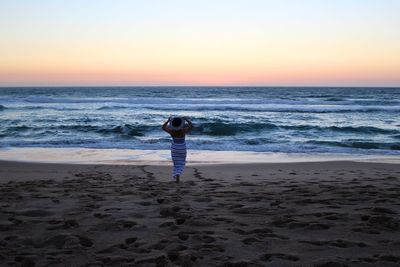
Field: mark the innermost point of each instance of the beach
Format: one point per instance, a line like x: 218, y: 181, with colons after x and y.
x: 335, y: 213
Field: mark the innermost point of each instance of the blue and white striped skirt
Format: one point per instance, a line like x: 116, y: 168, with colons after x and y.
x: 178, y: 155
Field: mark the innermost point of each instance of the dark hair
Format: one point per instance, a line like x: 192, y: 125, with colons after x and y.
x: 176, y: 122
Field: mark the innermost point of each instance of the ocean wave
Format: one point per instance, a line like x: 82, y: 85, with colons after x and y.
x: 121, y: 130
x: 59, y: 108
x: 16, y: 129
x: 257, y: 141
x: 126, y: 129
x: 328, y: 105
x: 358, y: 144
x: 56, y: 143
x: 112, y: 107
x: 2, y: 107
x: 141, y: 100
x: 228, y: 128
x: 203, y: 127
x: 279, y: 108
x: 365, y: 148
x: 344, y: 129
x: 335, y: 99
x: 203, y: 100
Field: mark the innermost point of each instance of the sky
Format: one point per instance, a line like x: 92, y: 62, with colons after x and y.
x: 200, y: 42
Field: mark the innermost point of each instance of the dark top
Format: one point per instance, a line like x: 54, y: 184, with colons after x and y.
x: 178, y: 140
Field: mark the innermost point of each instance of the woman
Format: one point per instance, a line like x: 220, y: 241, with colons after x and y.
x: 177, y: 130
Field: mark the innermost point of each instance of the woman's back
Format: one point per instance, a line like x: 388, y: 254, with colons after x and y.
x: 177, y: 134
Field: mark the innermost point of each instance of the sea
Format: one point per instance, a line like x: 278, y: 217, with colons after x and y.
x: 259, y: 119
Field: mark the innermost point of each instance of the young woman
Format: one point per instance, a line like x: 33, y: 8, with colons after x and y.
x: 178, y: 130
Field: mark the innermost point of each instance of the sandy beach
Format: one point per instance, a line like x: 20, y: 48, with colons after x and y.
x: 280, y: 214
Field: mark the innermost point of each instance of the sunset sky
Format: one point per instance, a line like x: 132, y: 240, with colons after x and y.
x: 200, y: 42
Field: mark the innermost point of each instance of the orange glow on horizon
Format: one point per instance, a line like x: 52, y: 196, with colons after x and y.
x: 305, y: 76
x: 249, y: 64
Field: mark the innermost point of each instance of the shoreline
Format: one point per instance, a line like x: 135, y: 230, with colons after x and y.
x: 162, y: 157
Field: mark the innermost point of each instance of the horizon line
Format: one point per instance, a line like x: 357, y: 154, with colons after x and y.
x: 206, y: 86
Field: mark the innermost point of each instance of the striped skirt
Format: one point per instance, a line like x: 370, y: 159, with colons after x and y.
x: 178, y: 155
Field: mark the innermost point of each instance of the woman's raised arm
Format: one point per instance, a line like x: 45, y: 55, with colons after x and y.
x: 164, y: 127
x: 190, y: 125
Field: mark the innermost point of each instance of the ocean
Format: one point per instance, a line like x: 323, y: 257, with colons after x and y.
x: 260, y: 119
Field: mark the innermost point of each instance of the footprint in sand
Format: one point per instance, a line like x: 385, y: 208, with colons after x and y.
x: 339, y: 243
x: 282, y: 256
x: 36, y: 213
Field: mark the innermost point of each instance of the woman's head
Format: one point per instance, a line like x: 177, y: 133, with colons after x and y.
x: 177, y: 123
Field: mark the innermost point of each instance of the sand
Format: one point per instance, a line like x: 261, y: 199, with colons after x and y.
x: 289, y: 214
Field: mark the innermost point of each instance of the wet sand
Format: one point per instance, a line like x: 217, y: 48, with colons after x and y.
x: 281, y: 214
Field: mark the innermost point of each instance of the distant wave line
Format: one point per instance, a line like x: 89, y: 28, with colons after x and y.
x: 216, y: 128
